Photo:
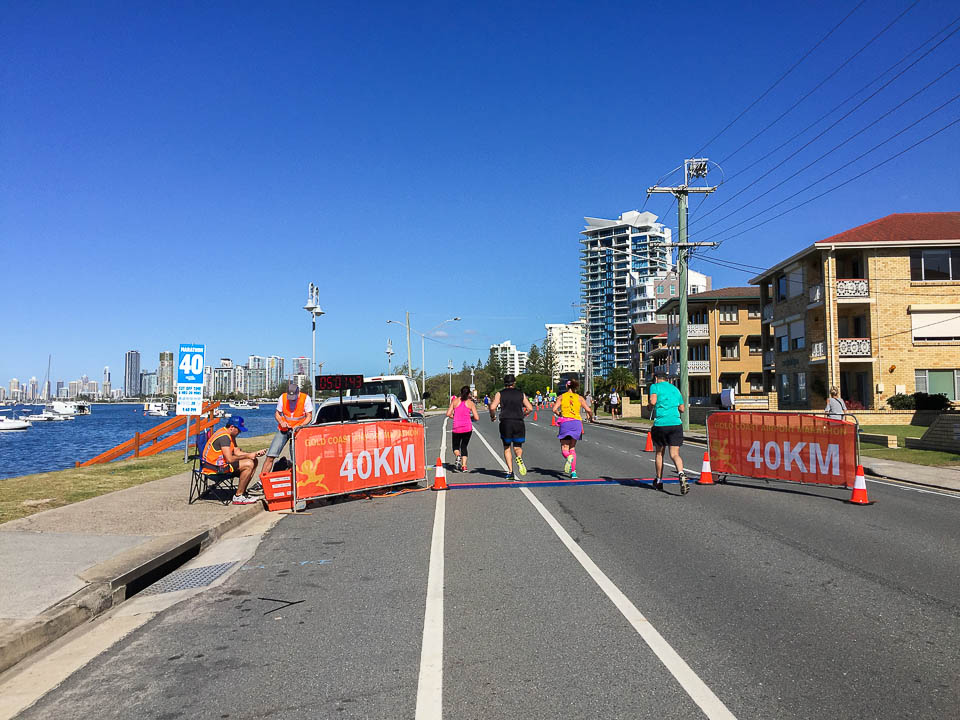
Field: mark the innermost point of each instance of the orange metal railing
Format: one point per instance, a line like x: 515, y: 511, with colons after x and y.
x: 150, y: 442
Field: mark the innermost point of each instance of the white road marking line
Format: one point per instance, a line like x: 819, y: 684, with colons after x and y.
x: 698, y: 691
x: 430, y: 683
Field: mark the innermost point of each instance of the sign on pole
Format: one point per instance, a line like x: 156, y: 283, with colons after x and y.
x: 190, y: 380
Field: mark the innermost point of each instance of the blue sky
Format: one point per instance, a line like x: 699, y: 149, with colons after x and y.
x: 174, y: 174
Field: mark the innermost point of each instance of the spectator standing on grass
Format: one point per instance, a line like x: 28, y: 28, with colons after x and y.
x: 463, y: 412
x: 836, y: 407
x: 614, y: 403
x: 666, y: 404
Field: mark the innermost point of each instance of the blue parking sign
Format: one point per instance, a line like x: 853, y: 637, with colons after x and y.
x: 190, y: 365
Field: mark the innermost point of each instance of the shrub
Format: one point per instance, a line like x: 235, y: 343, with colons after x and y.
x: 919, y: 401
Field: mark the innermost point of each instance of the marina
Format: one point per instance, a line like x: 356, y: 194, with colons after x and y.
x: 51, y: 445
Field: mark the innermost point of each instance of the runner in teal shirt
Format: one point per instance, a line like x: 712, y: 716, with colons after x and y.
x: 666, y: 404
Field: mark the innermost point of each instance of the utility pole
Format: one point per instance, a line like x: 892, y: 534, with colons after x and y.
x: 692, y: 168
x: 409, y: 359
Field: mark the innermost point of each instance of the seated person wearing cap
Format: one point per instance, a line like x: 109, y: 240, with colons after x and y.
x: 222, y: 456
x: 294, y: 409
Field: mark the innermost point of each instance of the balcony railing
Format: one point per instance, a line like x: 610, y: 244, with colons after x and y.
x: 767, y: 312
x: 816, y: 294
x: 693, y: 331
x: 855, y: 288
x: 698, y: 367
x: 854, y: 347
x: 818, y: 350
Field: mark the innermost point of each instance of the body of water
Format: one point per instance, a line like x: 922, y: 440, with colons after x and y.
x: 58, y: 445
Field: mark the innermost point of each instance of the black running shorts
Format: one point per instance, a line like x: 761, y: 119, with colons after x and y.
x: 512, y: 432
x: 665, y: 435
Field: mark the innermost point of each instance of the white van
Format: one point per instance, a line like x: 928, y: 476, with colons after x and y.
x: 405, y: 388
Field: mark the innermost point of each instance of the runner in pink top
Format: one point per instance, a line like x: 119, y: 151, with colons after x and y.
x: 463, y: 411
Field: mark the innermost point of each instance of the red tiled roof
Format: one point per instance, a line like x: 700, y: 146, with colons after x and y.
x: 902, y: 227
x: 649, y: 328
x: 727, y: 292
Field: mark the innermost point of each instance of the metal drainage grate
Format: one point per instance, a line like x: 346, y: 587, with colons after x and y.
x: 186, y: 579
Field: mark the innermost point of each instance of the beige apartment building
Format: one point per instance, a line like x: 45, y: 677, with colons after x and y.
x: 724, y: 348
x: 874, y: 311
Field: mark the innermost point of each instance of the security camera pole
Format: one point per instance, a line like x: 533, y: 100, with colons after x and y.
x: 692, y: 168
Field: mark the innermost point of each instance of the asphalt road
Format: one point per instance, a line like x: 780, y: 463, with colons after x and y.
x: 607, y: 600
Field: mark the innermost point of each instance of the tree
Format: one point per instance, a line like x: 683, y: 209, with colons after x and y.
x: 534, y: 360
x: 531, y: 382
x: 621, y: 379
x: 548, y: 361
x: 494, y: 368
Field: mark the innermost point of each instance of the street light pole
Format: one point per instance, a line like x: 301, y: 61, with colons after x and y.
x: 450, y: 376
x: 313, y: 307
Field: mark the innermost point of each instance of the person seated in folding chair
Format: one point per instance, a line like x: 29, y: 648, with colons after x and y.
x: 221, y: 455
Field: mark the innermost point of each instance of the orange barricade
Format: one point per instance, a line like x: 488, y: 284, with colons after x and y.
x: 783, y: 446
x: 338, y: 459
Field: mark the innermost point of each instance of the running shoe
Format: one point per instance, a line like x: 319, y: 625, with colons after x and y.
x: 684, y: 485
x: 456, y: 464
x: 244, y: 500
x: 509, y: 476
x: 567, y: 465
x: 521, y: 468
x: 255, y: 489
x: 657, y: 484
x: 573, y: 475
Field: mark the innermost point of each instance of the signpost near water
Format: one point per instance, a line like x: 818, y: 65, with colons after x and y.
x: 190, y: 386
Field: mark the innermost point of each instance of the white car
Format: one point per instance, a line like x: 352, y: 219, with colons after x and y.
x: 405, y: 388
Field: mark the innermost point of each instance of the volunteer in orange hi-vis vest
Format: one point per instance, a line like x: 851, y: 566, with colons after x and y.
x: 294, y: 409
x: 222, y: 456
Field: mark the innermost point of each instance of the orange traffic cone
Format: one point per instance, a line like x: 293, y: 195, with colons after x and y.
x: 706, y: 477
x: 440, y: 480
x: 553, y: 420
x: 859, y: 496
x: 535, y: 414
x: 649, y: 447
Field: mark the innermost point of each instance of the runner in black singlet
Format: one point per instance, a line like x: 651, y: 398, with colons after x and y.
x: 514, y: 406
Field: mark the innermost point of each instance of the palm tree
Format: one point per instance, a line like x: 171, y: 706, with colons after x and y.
x: 622, y: 379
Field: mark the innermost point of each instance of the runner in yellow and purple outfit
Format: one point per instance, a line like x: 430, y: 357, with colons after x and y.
x: 570, y: 425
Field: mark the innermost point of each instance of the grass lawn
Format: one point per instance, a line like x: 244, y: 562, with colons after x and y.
x: 29, y: 494
x: 917, y: 457
x: 901, y: 431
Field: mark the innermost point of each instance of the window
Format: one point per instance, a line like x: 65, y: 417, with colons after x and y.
x: 659, y: 289
x: 797, y: 336
x: 753, y: 311
x: 795, y: 282
x: 673, y: 289
x: 728, y: 313
x: 939, y: 382
x: 782, y: 339
x: 940, y: 324
x: 756, y: 382
x: 784, y: 394
x: 935, y: 264
x: 800, y: 386
x: 729, y: 350
x: 781, y: 288
x: 755, y: 346
x: 730, y: 382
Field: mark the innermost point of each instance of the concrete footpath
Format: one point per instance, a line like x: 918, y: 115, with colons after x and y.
x: 65, y: 566
x: 942, y: 478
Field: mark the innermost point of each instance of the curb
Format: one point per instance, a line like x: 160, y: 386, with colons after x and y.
x: 105, y: 589
x: 870, y: 471
x: 646, y: 428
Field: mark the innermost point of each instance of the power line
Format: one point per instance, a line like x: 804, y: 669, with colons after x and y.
x: 823, y: 82
x: 859, y: 132
x: 780, y: 79
x: 841, y: 104
x: 839, y: 185
x: 841, y: 119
